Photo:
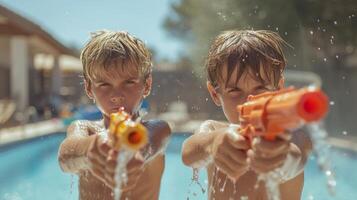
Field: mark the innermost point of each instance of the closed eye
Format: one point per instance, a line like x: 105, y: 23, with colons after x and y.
x: 231, y: 90
x: 103, y: 84
x: 132, y: 81
x: 260, y: 89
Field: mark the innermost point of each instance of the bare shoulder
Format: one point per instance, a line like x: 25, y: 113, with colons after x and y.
x: 211, y: 125
x: 84, y: 128
x: 158, y: 127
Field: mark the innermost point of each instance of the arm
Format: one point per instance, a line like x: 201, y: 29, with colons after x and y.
x: 220, y: 143
x: 196, y: 148
x: 72, y: 155
x: 289, y: 155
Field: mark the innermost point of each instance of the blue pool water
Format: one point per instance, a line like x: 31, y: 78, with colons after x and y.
x: 30, y: 171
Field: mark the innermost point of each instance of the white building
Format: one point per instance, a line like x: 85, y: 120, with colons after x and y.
x: 30, y: 61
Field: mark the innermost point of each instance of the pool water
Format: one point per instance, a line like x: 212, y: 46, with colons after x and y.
x: 29, y: 171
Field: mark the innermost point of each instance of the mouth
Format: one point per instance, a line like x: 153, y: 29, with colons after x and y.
x: 116, y: 109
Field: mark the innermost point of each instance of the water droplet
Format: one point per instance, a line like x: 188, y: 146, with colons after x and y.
x: 335, y: 22
x: 206, y: 99
x: 311, y: 32
x: 286, y: 33
x: 337, y: 56
x: 325, y: 59
x: 344, y: 133
x: 277, y: 29
x: 318, y: 20
x: 323, y: 30
x: 332, y: 103
x: 318, y: 48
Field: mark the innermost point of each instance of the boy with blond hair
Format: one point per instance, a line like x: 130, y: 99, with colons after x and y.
x: 117, y: 74
x: 239, y: 64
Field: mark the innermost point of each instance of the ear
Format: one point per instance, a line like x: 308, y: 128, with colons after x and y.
x: 147, y: 86
x: 88, y: 89
x: 213, y: 94
x: 281, y: 83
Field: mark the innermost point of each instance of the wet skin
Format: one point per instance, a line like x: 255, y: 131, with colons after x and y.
x: 87, y: 153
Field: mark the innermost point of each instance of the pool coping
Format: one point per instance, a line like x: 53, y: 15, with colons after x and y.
x: 55, y: 125
x: 350, y: 144
x: 29, y: 131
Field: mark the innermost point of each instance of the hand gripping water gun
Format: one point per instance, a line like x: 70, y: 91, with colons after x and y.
x: 272, y: 113
x: 124, y: 132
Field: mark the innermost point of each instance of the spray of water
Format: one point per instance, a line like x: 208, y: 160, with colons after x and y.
x: 322, y: 151
x: 195, y: 180
x: 121, y: 177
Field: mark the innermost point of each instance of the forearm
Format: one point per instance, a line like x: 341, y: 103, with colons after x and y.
x: 72, y: 155
x: 196, y: 150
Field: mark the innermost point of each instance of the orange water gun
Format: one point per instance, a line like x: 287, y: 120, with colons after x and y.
x: 124, y: 132
x: 272, y: 113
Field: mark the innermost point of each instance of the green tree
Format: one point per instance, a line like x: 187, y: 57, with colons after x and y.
x: 320, y: 31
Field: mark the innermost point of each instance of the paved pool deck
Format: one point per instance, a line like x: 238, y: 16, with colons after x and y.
x: 28, y: 131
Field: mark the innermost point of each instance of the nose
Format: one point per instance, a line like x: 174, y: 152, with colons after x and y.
x: 117, y: 99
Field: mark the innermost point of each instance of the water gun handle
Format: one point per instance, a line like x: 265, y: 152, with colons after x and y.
x: 272, y: 113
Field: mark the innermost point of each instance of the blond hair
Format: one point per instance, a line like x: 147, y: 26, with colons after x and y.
x: 246, y: 49
x: 117, y: 52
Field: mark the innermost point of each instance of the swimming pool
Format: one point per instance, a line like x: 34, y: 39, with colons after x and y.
x: 29, y: 171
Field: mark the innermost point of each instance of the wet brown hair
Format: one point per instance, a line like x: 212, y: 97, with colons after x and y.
x: 258, y: 51
x: 111, y: 53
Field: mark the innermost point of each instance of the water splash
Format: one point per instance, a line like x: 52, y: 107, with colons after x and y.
x: 71, y: 186
x: 271, y: 180
x: 224, y: 185
x: 322, y: 151
x: 120, y: 171
x: 195, y: 180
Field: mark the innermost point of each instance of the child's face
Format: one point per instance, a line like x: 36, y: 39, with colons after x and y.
x: 236, y: 93
x: 114, y: 91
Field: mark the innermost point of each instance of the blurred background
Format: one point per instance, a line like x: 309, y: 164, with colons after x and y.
x: 40, y: 43
x: 41, y: 89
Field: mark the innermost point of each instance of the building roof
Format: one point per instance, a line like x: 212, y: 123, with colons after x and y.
x: 12, y: 23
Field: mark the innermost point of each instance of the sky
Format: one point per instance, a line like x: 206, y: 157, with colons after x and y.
x: 72, y: 21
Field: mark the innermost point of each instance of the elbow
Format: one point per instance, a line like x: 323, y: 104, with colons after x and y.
x: 186, y: 154
x: 63, y: 158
